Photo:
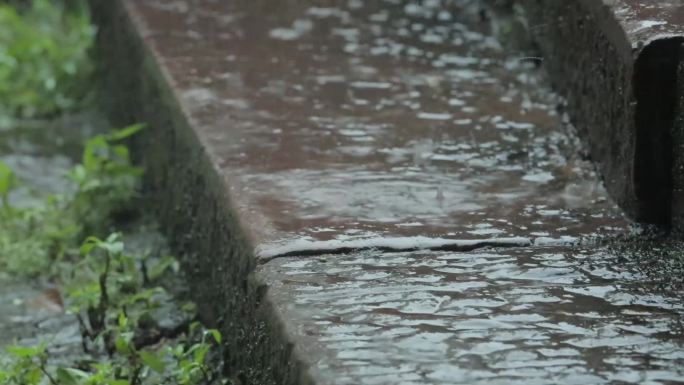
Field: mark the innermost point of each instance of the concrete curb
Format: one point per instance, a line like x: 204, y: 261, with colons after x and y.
x: 190, y: 201
x: 616, y: 63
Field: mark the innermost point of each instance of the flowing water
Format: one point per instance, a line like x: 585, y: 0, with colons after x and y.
x: 525, y: 316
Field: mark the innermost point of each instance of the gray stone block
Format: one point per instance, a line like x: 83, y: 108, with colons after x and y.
x: 616, y: 63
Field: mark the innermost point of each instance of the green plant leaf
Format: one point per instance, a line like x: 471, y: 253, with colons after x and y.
x: 201, y: 353
x: 7, y: 179
x: 123, y: 321
x: 125, y: 132
x: 216, y: 334
x: 123, y: 345
x: 70, y: 376
x: 113, y: 248
x: 89, y: 244
x: 164, y: 264
x: 153, y: 361
x: 118, y: 382
x: 25, y: 351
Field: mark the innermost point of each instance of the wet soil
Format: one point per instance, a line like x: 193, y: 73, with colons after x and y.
x: 40, y: 154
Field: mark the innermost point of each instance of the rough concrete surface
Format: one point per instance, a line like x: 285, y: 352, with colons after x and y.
x: 616, y: 62
x: 381, y: 192
x: 678, y: 155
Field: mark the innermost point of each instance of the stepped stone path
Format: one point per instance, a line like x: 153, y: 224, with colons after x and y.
x: 420, y: 210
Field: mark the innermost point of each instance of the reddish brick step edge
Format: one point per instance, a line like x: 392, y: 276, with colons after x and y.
x: 616, y: 63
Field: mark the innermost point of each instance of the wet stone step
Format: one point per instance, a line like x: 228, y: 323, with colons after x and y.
x: 382, y: 193
x: 374, y: 119
x: 554, y: 315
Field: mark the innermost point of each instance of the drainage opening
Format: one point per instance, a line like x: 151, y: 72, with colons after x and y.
x: 655, y: 87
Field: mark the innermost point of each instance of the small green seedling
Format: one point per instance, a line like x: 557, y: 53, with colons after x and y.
x: 7, y: 183
x: 106, y: 178
x: 27, y: 366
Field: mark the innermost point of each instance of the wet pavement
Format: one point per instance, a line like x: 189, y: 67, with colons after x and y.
x: 397, y: 125
x: 648, y: 20
x: 375, y: 120
x: 552, y: 315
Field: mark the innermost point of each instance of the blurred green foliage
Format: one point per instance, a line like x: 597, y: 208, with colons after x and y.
x: 44, y: 57
x: 112, y: 293
x: 33, y: 238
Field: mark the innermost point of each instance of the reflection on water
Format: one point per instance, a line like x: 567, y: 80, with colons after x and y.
x: 394, y: 118
x: 532, y: 316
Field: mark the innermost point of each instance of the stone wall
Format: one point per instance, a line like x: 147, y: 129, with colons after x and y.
x: 619, y: 81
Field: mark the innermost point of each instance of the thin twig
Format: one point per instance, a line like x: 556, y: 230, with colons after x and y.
x: 45, y: 372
